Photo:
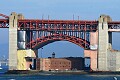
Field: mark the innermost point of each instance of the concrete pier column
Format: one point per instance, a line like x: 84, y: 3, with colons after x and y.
x: 13, y: 41
x: 103, y: 40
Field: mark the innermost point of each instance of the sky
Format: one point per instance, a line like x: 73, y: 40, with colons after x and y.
x: 63, y: 10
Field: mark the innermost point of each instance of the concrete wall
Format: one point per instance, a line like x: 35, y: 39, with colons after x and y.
x: 92, y: 54
x: 118, y: 61
x: 22, y: 63
x: 113, y: 60
x: 94, y: 40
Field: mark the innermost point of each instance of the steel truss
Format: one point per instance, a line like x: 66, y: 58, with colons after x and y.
x: 43, y: 32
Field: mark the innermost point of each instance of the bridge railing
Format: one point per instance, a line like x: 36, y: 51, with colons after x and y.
x: 114, y: 25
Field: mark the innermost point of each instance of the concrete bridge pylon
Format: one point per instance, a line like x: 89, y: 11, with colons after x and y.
x: 13, y: 41
x: 108, y: 59
x: 103, y: 57
x: 102, y: 43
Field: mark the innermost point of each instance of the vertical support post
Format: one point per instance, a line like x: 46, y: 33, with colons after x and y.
x: 35, y: 60
x: 30, y: 39
x: 13, y: 41
x: 85, y: 35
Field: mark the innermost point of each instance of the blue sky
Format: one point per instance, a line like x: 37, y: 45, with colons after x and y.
x: 60, y: 9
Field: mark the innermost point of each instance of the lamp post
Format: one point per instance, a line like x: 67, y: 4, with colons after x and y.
x: 41, y: 52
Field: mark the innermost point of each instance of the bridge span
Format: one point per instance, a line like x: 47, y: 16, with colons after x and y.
x: 26, y: 36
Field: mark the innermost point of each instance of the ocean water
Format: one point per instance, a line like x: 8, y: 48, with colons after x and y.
x: 56, y: 77
x: 59, y: 77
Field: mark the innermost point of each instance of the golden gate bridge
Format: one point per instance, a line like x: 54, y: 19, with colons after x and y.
x: 35, y: 33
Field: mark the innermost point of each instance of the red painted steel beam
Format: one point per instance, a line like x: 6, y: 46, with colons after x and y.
x: 41, y: 24
x: 4, y: 16
x: 113, y: 22
x: 58, y: 21
x: 4, y: 23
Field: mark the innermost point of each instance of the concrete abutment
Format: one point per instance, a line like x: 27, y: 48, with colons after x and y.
x: 18, y: 54
x: 103, y: 57
x: 107, y: 57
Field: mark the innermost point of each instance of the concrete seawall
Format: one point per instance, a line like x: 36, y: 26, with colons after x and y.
x: 36, y: 72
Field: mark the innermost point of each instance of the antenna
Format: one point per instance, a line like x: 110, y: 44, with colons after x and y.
x: 48, y: 17
x: 78, y: 17
x: 73, y: 16
x: 42, y: 16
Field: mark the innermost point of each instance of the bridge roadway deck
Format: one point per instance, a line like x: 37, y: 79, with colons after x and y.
x: 80, y: 25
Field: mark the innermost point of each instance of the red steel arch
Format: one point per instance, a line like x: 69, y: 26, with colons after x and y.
x: 40, y: 42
